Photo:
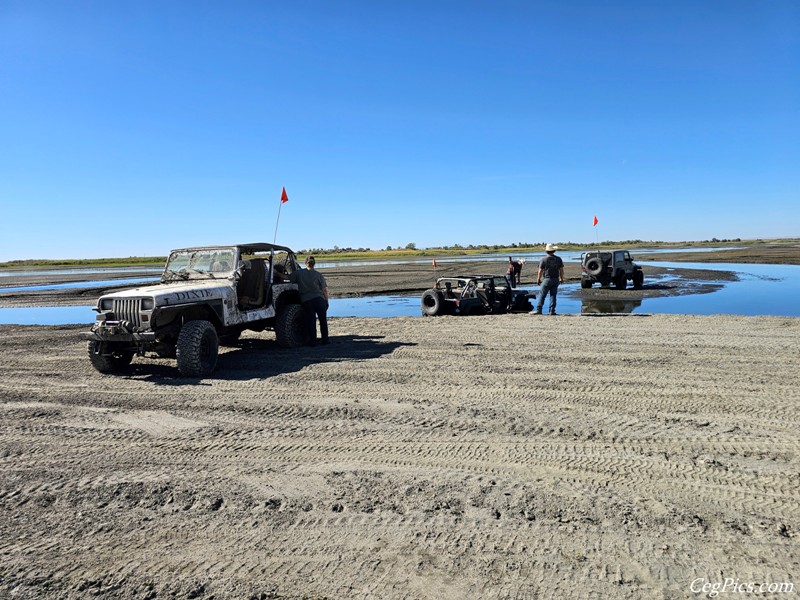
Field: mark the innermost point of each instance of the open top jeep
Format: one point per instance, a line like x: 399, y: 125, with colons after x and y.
x: 206, y: 296
x: 610, y: 266
x: 474, y: 294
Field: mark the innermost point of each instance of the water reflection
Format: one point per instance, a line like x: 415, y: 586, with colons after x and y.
x: 594, y: 306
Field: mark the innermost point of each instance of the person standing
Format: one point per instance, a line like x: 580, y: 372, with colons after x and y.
x: 551, y: 273
x: 314, y: 299
x: 511, y: 273
x: 514, y: 272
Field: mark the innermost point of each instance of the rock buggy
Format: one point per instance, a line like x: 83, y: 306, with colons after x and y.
x: 474, y: 294
x: 611, y: 266
x: 206, y: 296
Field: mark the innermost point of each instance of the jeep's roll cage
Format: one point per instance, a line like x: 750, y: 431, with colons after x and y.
x: 241, y: 253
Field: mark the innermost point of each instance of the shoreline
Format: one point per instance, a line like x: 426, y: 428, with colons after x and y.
x: 373, y: 280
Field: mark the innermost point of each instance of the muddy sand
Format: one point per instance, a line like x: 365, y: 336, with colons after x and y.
x: 492, y: 457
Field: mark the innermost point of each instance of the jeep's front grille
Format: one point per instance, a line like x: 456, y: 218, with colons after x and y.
x: 127, y: 309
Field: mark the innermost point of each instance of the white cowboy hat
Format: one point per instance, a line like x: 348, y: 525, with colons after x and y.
x: 550, y: 248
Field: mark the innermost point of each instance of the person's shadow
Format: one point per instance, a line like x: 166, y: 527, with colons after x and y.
x: 254, y: 358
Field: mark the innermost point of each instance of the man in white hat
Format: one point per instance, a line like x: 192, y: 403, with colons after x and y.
x: 551, y: 273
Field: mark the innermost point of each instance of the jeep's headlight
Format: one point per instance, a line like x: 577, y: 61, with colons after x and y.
x: 106, y: 304
x: 147, y: 304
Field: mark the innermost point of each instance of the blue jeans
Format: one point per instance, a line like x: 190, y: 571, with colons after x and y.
x: 313, y: 308
x: 549, y: 286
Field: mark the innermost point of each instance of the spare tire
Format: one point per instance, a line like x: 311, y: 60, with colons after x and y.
x: 432, y: 303
x: 594, y: 266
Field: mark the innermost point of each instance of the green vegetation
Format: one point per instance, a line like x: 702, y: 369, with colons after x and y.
x: 131, y: 261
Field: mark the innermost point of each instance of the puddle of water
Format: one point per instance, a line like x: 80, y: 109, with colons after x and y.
x: 376, y: 306
x: 83, y: 271
x: 761, y: 290
x: 78, y: 284
x: 47, y: 315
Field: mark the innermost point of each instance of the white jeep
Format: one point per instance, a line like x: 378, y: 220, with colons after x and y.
x: 206, y: 296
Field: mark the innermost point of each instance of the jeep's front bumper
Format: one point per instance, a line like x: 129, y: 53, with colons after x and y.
x: 112, y: 331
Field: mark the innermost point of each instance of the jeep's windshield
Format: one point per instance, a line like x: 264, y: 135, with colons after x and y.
x: 199, y: 264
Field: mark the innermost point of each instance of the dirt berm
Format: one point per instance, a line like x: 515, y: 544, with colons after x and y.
x: 489, y: 457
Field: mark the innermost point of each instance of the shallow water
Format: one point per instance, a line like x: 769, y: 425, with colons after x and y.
x: 78, y: 284
x: 760, y: 290
x: 79, y: 271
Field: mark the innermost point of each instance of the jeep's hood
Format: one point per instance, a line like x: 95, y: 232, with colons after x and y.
x: 177, y: 291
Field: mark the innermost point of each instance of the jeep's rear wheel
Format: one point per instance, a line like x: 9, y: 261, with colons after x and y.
x: 620, y: 281
x: 110, y: 362
x: 432, y: 303
x: 586, y: 283
x: 290, y: 326
x: 638, y: 280
x: 198, y: 348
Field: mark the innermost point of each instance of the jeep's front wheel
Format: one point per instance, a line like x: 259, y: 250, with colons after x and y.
x: 107, y: 360
x: 197, y: 349
x: 638, y: 280
x: 291, y: 326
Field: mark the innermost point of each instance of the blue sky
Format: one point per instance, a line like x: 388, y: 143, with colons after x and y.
x: 129, y: 128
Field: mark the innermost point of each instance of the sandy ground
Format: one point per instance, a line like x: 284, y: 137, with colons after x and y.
x: 491, y: 457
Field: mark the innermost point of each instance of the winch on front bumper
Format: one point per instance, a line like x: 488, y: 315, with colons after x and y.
x: 105, y: 330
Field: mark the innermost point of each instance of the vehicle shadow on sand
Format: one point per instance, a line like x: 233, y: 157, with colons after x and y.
x: 263, y: 358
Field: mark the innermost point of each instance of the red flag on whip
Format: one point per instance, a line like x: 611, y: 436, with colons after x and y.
x: 284, y: 200
x: 595, y: 221
x: 434, y: 263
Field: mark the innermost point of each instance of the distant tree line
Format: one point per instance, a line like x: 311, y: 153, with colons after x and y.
x: 412, y: 247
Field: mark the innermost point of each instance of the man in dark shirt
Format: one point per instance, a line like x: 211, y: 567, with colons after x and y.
x: 551, y: 273
x: 314, y: 298
x: 514, y: 272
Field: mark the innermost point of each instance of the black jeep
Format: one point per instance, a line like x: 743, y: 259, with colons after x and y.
x: 474, y: 295
x: 610, y: 266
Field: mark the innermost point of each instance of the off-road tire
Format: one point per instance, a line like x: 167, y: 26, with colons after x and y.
x: 638, y: 280
x: 111, y: 363
x: 197, y: 349
x: 586, y: 283
x: 290, y: 326
x: 620, y: 281
x: 432, y: 303
x: 594, y: 266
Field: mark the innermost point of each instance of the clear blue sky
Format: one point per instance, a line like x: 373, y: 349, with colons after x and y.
x: 129, y: 128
